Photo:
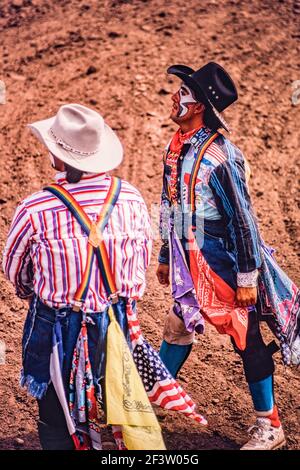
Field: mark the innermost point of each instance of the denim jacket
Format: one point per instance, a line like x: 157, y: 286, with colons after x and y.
x: 221, y: 195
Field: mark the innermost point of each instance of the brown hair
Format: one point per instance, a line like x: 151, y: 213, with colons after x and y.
x: 211, y: 120
x: 73, y: 175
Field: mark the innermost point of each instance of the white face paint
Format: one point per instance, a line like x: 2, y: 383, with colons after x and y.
x: 186, y: 97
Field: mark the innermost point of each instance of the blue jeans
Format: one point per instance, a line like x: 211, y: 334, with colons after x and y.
x: 36, y: 351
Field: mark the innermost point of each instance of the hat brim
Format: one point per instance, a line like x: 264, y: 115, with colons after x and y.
x: 109, y: 155
x: 183, y: 72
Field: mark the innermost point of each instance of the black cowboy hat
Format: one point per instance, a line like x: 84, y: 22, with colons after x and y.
x: 212, y: 86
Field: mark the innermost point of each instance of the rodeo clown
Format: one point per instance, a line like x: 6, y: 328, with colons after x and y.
x: 79, y: 250
x: 212, y: 254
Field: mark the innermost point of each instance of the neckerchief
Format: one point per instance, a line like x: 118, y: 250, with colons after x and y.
x: 176, y: 145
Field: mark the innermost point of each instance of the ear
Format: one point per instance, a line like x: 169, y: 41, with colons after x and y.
x: 199, y: 108
x: 58, y: 164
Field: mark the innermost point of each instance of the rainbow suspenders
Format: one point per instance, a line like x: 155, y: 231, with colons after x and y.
x: 194, y: 173
x: 96, y: 245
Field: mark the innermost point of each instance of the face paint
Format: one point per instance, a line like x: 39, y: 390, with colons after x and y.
x: 185, y: 97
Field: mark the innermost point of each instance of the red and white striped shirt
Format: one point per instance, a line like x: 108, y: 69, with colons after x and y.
x: 46, y: 248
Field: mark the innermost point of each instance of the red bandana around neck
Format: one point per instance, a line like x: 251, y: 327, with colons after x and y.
x: 179, y: 139
x: 176, y: 145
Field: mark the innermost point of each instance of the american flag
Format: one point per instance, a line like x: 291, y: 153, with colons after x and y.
x: 162, y: 389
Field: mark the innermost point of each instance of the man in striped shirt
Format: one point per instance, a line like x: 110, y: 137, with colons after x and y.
x: 46, y: 252
x: 79, y: 249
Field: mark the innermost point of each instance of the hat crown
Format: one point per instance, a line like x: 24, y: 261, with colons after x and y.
x: 79, y: 137
x: 216, y: 84
x: 78, y: 127
x: 211, y: 83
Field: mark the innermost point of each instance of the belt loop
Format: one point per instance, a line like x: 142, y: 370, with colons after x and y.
x: 114, y: 298
x: 77, y: 306
x: 60, y: 313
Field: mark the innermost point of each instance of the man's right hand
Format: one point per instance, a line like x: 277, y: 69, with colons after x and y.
x: 162, y: 274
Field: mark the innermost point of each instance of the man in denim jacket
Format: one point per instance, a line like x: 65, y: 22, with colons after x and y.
x: 221, y: 271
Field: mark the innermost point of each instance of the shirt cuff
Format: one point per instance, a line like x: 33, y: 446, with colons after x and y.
x: 247, y: 279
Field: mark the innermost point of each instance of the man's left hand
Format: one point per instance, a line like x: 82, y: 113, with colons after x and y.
x: 246, y: 296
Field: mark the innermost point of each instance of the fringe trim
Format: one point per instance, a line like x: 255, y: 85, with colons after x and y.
x: 35, y: 389
x: 295, y: 352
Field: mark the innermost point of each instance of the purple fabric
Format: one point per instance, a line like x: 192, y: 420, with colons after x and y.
x: 280, y: 297
x: 183, y: 292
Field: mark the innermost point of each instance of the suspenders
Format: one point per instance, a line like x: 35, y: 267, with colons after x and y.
x: 194, y: 173
x: 96, y: 246
x: 203, y: 145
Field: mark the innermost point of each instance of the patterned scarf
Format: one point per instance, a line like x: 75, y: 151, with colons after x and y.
x: 176, y: 146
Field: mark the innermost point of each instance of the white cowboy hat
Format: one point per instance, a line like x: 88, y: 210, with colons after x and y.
x: 79, y: 137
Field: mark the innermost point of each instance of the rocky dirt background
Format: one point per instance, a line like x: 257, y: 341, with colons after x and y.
x: 112, y: 56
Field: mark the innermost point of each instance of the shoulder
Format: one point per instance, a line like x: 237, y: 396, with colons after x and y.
x: 37, y: 201
x: 233, y: 152
x: 217, y: 153
x: 225, y: 155
x: 234, y: 168
x: 43, y: 200
x: 130, y: 192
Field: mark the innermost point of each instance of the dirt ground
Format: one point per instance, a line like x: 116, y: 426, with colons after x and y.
x: 112, y: 56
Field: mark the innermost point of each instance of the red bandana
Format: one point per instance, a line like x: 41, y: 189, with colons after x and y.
x: 175, y: 149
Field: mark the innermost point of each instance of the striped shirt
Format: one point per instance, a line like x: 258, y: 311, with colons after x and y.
x: 46, y: 248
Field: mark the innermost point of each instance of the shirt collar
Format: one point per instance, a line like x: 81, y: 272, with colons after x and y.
x: 199, y: 137
x: 92, y: 177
